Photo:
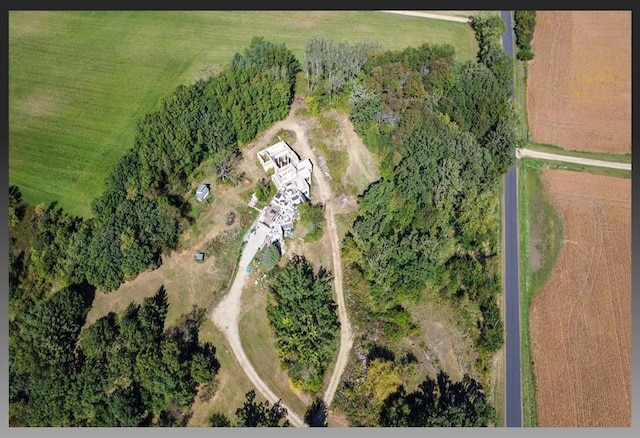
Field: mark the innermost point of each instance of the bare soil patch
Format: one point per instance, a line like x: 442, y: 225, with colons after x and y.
x: 442, y: 345
x: 579, y: 83
x: 187, y: 282
x: 535, y: 260
x: 580, y: 321
x: 40, y: 104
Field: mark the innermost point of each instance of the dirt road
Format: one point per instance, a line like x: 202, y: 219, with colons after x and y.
x: 225, y: 316
x: 428, y: 15
x: 520, y: 153
x: 346, y: 339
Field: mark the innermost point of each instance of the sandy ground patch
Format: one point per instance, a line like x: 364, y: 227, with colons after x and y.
x: 580, y: 322
x: 443, y: 345
x: 579, y: 83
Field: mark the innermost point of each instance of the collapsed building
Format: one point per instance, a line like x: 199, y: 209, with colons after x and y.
x: 292, y: 178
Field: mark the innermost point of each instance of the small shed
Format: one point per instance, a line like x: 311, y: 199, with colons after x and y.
x: 199, y: 257
x: 202, y: 192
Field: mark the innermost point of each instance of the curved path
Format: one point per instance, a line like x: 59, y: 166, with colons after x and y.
x: 346, y: 337
x: 225, y: 317
x: 226, y: 314
x: 521, y: 153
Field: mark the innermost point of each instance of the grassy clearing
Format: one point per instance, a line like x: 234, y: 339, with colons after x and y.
x: 520, y: 91
x: 258, y: 343
x: 79, y: 80
x: 541, y: 235
x: 233, y: 383
x: 324, y: 137
x: 552, y: 149
x: 496, y: 390
x: 497, y: 395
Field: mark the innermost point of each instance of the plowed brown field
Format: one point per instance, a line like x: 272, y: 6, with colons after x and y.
x: 579, y: 83
x: 580, y: 322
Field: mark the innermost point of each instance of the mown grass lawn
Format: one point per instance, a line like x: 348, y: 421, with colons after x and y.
x: 79, y: 80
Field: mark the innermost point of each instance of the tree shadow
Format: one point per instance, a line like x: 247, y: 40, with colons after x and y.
x: 86, y: 291
x: 316, y: 415
x: 380, y: 352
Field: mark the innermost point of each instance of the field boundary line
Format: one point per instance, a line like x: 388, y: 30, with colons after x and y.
x: 528, y: 153
x: 428, y: 15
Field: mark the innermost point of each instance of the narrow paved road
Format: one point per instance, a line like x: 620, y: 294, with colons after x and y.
x: 511, y: 260
x: 520, y: 153
x: 513, y: 382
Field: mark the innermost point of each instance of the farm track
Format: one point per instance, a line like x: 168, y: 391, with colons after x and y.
x: 524, y: 153
x: 428, y: 15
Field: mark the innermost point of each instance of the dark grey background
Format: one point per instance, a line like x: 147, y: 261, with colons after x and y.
x: 4, y: 234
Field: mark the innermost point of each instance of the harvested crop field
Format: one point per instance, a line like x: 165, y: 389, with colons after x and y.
x: 579, y: 82
x: 580, y: 322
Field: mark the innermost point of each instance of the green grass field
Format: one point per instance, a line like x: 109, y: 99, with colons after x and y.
x: 520, y: 92
x: 541, y: 227
x: 79, y: 80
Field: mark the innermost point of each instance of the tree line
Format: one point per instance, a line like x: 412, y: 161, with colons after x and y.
x: 444, y: 132
x: 524, y: 25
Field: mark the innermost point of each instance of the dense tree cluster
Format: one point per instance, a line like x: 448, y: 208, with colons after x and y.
x: 445, y: 133
x: 253, y: 413
x: 439, y: 402
x: 15, y: 202
x: 524, y: 24
x: 303, y: 316
x: 261, y: 414
x: 316, y: 414
x: 330, y: 65
x: 122, y: 370
x: 488, y: 30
